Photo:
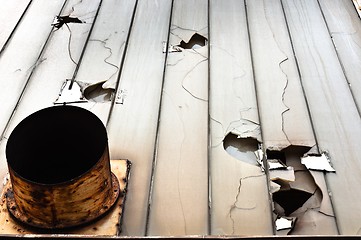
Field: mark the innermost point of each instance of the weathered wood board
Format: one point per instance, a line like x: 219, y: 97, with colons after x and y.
x: 333, y: 110
x: 243, y: 207
x: 179, y: 200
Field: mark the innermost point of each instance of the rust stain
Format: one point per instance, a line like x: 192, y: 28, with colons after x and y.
x: 64, y: 191
x: 59, y: 206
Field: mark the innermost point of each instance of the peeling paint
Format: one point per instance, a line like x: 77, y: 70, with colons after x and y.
x: 259, y: 155
x: 276, y: 164
x: 305, y: 181
x: 274, y: 187
x: 291, y: 200
x: 302, y: 197
x: 317, y: 162
x: 245, y: 128
x: 79, y: 92
x: 285, y: 175
x: 70, y: 94
x: 296, y: 191
x: 326, y: 206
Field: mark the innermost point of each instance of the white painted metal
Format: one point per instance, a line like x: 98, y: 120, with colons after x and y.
x: 333, y: 110
x: 282, y: 106
x: 10, y: 15
x: 345, y: 28
x: 239, y: 195
x: 18, y: 61
x: 133, y: 123
x: 103, y: 55
x: 179, y: 200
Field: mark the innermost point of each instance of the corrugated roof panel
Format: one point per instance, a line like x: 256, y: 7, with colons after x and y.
x: 217, y: 124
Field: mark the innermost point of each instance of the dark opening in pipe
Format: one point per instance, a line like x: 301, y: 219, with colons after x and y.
x: 56, y: 144
x: 59, y: 168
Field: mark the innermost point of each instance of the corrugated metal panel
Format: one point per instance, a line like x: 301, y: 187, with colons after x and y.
x: 181, y: 155
x: 334, y: 113
x: 192, y: 92
x: 239, y: 195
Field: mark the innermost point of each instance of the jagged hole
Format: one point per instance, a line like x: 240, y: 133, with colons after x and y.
x: 292, y: 195
x: 196, y: 41
x: 241, y: 148
x: 291, y: 199
x: 59, y: 21
x: 97, y: 93
x: 276, y: 155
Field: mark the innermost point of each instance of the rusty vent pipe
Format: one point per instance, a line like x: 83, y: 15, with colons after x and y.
x: 59, y: 167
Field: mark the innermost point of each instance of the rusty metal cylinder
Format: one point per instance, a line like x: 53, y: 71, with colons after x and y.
x: 59, y: 167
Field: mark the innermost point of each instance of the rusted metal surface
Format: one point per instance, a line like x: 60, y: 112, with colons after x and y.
x: 109, y: 224
x: 69, y: 189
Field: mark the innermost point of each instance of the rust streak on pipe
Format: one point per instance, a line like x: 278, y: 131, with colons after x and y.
x: 71, y: 189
